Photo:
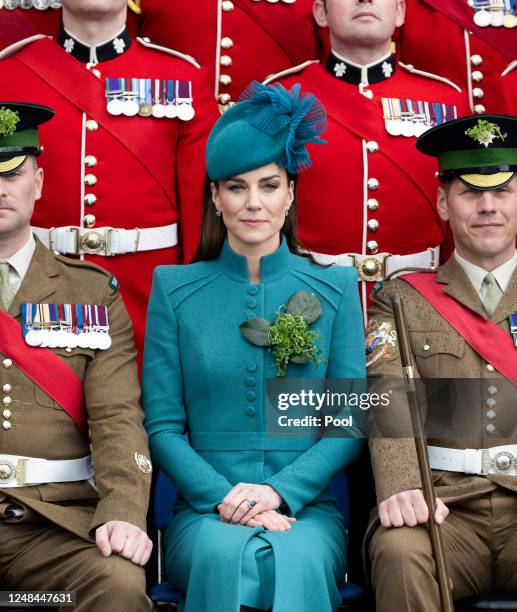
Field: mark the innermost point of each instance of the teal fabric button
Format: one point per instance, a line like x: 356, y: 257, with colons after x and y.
x: 251, y: 303
x: 250, y: 381
x: 251, y: 367
x: 251, y: 395
x: 250, y: 411
x: 253, y: 290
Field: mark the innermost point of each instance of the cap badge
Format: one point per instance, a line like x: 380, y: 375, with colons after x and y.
x: 8, y: 121
x: 485, y: 132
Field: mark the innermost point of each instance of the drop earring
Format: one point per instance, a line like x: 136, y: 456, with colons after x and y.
x: 217, y: 212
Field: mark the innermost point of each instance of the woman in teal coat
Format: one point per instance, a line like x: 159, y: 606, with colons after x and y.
x: 255, y: 524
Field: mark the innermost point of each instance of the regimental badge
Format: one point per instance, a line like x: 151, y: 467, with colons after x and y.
x: 150, y: 98
x: 144, y: 464
x: 496, y: 13
x: 380, y: 342
x: 66, y: 326
x: 485, y: 132
x: 404, y: 117
x: 113, y: 283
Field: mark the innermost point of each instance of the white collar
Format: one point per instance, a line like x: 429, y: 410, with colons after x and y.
x: 476, y: 274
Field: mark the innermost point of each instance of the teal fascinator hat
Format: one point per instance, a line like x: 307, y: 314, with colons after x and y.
x: 268, y: 124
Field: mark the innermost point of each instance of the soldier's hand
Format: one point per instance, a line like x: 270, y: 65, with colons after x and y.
x: 124, y: 539
x: 409, y: 508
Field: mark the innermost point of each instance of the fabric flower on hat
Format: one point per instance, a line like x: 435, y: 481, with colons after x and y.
x: 273, y: 109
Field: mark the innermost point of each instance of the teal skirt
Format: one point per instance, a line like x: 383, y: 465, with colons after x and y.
x: 217, y: 567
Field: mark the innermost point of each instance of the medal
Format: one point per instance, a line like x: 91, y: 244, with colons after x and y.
x: 184, y: 106
x: 482, y: 17
x: 391, y: 121
x: 145, y: 108
x: 509, y: 19
x: 33, y: 338
x: 41, y: 5
x: 170, y: 107
x: 158, y: 108
x: 114, y: 104
x: 496, y: 13
x: 25, y: 4
x: 407, y: 117
x: 56, y: 4
x: 72, y: 340
x: 45, y: 338
x: 103, y: 339
x: 129, y: 103
x: 10, y: 4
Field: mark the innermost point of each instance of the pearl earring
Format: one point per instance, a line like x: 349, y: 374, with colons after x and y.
x: 217, y: 212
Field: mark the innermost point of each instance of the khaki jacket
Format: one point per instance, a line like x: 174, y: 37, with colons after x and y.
x: 440, y: 352
x: 41, y: 428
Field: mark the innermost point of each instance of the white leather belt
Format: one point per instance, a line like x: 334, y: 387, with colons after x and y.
x: 480, y: 461
x: 17, y: 471
x: 107, y: 241
x: 377, y: 267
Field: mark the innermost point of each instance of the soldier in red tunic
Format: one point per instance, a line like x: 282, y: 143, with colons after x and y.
x: 476, y: 45
x: 236, y: 40
x: 369, y: 193
x: 124, y: 168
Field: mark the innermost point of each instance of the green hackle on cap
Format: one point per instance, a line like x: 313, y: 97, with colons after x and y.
x: 485, y: 132
x: 8, y: 121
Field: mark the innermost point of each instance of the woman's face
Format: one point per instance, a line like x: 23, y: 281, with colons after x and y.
x: 254, y: 206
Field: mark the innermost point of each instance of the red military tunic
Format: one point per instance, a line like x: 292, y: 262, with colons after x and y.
x: 236, y: 40
x: 508, y: 83
x: 106, y: 171
x: 441, y: 37
x: 368, y: 192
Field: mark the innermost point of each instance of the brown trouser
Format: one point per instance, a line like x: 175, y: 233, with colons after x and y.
x: 480, y: 540
x: 38, y: 555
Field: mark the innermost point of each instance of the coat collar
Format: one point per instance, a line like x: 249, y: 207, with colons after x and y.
x: 108, y: 50
x: 272, y: 266
x: 461, y: 289
x: 41, y: 279
x: 350, y: 72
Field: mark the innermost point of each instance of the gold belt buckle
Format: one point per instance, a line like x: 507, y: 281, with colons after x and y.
x: 93, y: 242
x: 8, y: 470
x: 371, y: 268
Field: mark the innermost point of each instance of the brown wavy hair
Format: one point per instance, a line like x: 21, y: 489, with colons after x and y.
x: 213, y: 230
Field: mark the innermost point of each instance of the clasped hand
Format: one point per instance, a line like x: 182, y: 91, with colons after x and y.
x: 124, y: 539
x: 409, y: 508
x: 235, y: 507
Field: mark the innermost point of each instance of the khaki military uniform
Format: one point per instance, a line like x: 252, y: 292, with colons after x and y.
x: 479, y: 533
x: 47, y: 531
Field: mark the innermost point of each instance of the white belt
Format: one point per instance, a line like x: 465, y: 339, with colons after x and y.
x: 16, y: 471
x: 106, y: 240
x: 377, y: 267
x: 480, y: 461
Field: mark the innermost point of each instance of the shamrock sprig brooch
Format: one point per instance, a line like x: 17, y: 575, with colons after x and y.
x: 288, y: 337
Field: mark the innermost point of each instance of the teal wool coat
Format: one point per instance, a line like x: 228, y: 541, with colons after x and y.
x: 202, y: 377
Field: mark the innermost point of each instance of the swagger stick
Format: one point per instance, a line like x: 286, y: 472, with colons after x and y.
x: 408, y: 367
